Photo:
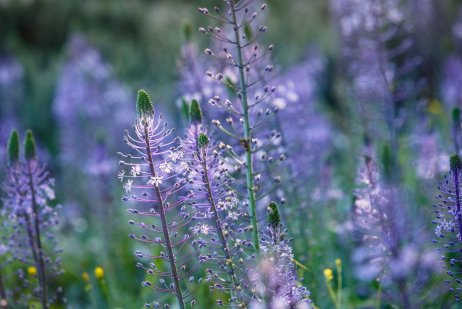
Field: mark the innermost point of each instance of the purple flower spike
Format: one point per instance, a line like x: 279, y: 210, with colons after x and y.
x: 221, y: 221
x: 448, y: 224
x: 29, y: 195
x: 153, y: 177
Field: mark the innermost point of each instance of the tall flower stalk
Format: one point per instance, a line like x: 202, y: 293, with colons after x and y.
x: 156, y: 179
x: 448, y: 224
x: 29, y: 191
x: 218, y: 215
x: 239, y: 53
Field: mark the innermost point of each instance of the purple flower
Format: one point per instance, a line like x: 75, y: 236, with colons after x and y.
x: 11, y: 88
x: 275, y: 277
x: 220, y: 222
x: 154, y: 177
x: 29, y: 193
x: 390, y: 246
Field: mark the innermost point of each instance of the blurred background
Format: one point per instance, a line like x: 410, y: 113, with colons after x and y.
x: 69, y: 70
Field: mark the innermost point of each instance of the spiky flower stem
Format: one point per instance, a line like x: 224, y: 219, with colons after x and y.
x: 168, y: 243
x: 216, y: 218
x: 247, y: 130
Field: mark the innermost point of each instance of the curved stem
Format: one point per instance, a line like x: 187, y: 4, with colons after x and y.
x: 168, y: 243
x: 247, y: 131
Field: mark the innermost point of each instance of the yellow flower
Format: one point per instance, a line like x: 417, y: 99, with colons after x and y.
x: 99, y: 272
x: 338, y: 263
x: 86, y: 277
x: 32, y: 271
x: 328, y: 274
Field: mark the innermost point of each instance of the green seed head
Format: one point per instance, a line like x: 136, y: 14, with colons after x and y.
x: 185, y: 109
x: 144, y: 106
x: 203, y: 140
x: 195, y: 112
x: 274, y: 220
x: 455, y: 163
x: 13, y: 147
x: 187, y: 30
x: 29, y: 146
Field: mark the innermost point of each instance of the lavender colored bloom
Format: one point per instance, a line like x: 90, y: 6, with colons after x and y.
x: 306, y: 134
x: 154, y: 177
x: 390, y: 247
x: 86, y: 90
x: 275, y: 277
x: 29, y: 193
x: 11, y: 84
x: 376, y: 43
x: 452, y: 82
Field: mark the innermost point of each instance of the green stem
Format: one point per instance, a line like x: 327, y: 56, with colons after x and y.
x: 168, y: 244
x: 247, y: 132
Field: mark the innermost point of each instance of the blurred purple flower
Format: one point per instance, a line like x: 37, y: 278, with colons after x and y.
x: 390, y: 246
x: 11, y: 89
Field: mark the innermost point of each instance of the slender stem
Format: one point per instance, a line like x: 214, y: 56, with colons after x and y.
x: 247, y: 132
x: 38, y: 240
x: 217, y: 221
x: 457, y: 188
x: 171, y: 258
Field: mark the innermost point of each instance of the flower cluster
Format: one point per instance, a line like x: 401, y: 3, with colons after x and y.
x: 276, y: 277
x: 31, y: 216
x: 389, y: 246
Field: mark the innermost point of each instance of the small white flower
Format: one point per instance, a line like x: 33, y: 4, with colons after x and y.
x: 128, y: 186
x: 183, y: 166
x: 166, y: 167
x: 50, y: 193
x: 233, y: 215
x: 121, y: 175
x: 136, y: 170
x: 201, y: 229
x: 176, y: 155
x: 155, y: 180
